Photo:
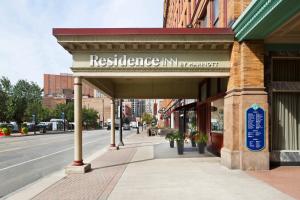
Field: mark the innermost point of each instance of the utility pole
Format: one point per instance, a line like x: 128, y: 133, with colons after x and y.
x: 102, y: 112
x: 121, y: 122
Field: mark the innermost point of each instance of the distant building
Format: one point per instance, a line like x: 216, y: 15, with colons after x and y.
x: 59, y: 89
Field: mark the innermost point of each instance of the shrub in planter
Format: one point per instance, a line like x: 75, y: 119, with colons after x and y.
x: 201, y: 139
x: 170, y: 137
x: 6, y: 131
x: 24, y: 129
x: 179, y: 141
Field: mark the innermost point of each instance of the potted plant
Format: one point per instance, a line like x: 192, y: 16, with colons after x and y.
x: 170, y: 137
x: 179, y: 141
x: 24, y: 129
x: 201, y: 139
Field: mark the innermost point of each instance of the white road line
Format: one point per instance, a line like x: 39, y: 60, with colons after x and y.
x: 39, y: 158
x: 18, y: 148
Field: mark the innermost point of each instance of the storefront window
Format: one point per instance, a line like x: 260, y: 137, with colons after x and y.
x: 217, y: 116
x: 191, y: 121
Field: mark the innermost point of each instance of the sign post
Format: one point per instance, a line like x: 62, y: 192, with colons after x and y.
x: 255, y: 128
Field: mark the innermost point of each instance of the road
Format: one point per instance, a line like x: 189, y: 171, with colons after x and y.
x: 24, y: 160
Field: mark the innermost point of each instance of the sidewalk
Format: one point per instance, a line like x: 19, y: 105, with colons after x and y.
x: 146, y: 168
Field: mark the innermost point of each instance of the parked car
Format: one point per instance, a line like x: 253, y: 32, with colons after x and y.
x: 117, y: 124
x: 15, y: 127
x: 133, y: 124
x: 43, y: 127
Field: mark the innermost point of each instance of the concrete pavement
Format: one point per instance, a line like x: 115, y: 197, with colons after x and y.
x: 146, y: 168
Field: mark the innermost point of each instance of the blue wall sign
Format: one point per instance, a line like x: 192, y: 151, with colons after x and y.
x: 255, y: 128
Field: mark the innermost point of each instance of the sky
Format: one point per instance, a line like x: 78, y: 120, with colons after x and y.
x: 27, y: 47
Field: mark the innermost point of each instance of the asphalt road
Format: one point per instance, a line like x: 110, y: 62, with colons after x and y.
x: 24, y: 160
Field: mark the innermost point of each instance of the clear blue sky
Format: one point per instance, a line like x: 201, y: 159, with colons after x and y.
x: 27, y: 47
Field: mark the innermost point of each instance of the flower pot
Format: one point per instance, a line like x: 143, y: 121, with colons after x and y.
x: 201, y: 147
x: 171, y: 143
x: 180, y: 146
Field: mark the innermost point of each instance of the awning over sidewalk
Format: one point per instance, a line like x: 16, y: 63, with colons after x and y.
x: 147, y: 62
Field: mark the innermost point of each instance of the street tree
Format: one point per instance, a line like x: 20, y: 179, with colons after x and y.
x: 5, y: 92
x: 89, y: 117
x: 26, y: 98
x: 147, y: 117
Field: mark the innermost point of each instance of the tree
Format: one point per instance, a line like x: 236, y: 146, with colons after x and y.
x: 89, y: 117
x: 5, y: 92
x: 147, y: 117
x: 26, y: 98
x: 68, y: 109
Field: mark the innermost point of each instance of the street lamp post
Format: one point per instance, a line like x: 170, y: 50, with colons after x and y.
x: 63, y: 117
x: 121, y: 123
x: 33, y: 120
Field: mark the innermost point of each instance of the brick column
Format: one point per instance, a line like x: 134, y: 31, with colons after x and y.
x: 246, y: 87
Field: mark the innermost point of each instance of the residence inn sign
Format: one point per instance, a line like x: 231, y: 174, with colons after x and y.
x: 194, y: 60
x: 147, y: 50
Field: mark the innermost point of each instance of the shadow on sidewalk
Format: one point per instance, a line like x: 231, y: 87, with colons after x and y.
x: 122, y: 164
x: 132, y: 147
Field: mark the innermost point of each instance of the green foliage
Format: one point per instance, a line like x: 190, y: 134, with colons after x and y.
x: 24, y: 100
x: 201, y: 138
x: 5, y: 92
x: 68, y: 109
x: 24, y: 125
x: 178, y: 136
x: 170, y: 137
x: 25, y: 130
x: 89, y: 117
x: 147, y: 117
x: 5, y: 131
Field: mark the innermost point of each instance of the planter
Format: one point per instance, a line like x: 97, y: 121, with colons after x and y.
x: 171, y: 143
x: 180, y: 146
x: 201, y: 148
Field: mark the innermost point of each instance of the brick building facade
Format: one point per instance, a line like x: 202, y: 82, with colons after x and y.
x: 262, y: 45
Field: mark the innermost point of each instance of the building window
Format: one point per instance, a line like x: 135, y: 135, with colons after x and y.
x: 217, y: 116
x: 216, y: 13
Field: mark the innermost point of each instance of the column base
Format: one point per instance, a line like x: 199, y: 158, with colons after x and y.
x: 245, y: 160
x: 71, y: 169
x: 78, y: 162
x: 230, y: 159
x: 255, y: 160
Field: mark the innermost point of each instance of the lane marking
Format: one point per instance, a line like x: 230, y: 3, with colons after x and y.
x: 39, y: 158
x: 34, y: 145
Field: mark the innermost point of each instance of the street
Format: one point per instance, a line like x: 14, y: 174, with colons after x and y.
x: 24, y: 160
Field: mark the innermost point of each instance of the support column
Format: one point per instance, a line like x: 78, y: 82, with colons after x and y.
x: 78, y: 122
x: 78, y: 166
x: 121, y: 143
x: 172, y: 120
x: 245, y: 88
x: 112, y: 130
